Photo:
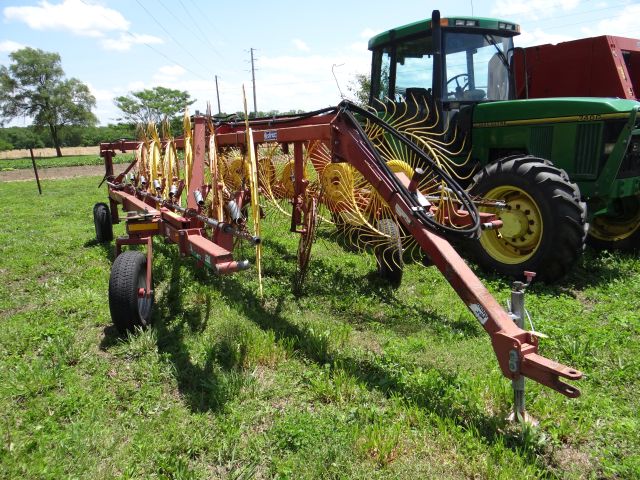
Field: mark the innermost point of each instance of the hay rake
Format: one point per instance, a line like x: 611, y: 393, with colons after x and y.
x: 343, y: 166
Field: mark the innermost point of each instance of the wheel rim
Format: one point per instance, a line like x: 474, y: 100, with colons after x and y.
x: 614, y: 229
x: 521, y: 233
x: 144, y: 301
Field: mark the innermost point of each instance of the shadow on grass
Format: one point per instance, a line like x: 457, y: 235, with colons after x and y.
x: 209, y: 385
x: 443, y: 392
x: 108, y: 248
x: 205, y: 387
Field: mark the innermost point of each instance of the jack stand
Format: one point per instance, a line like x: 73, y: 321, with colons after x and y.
x: 517, y: 312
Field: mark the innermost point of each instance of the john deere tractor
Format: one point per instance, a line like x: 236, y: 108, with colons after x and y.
x: 550, y: 166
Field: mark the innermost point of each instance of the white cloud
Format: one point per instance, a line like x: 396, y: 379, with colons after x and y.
x: 361, y: 48
x: 540, y: 37
x: 367, y: 33
x: 300, y: 45
x: 83, y: 19
x: 171, y: 70
x: 71, y: 15
x: 532, y: 9
x: 624, y: 24
x: 10, y: 46
x: 168, y: 73
x: 125, y: 41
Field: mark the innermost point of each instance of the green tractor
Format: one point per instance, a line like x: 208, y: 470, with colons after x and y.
x: 556, y: 165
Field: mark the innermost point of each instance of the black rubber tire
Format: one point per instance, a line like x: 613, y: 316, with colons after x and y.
x: 128, y: 275
x: 102, y: 222
x: 627, y: 221
x: 629, y: 244
x: 389, y: 262
x: 562, y: 214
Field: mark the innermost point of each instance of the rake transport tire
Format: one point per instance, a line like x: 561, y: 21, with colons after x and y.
x: 620, y: 231
x: 102, y: 222
x: 544, y: 220
x: 389, y: 261
x: 128, y: 303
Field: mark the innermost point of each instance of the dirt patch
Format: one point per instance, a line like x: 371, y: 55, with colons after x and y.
x: 57, y: 172
x: 49, y: 152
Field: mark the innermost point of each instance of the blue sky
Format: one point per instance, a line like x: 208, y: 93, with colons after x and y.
x: 116, y: 46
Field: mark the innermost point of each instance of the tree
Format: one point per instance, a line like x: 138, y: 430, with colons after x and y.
x: 360, y: 87
x: 34, y: 86
x: 152, y: 105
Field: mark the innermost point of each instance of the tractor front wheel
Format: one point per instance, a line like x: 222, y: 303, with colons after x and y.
x: 544, y: 221
x: 620, y: 231
x: 130, y: 302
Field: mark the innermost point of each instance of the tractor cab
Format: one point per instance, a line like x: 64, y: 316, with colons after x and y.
x: 450, y: 63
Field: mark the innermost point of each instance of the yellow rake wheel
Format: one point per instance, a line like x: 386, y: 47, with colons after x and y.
x: 286, y: 178
x: 307, y: 237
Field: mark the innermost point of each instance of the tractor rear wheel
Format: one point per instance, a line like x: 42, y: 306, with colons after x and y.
x: 618, y: 232
x: 389, y: 255
x: 102, y: 222
x: 544, y: 222
x: 129, y: 303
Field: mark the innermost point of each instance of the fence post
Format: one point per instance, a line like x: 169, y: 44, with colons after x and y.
x: 35, y: 170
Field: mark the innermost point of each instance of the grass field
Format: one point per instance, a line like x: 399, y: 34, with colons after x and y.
x: 350, y: 379
x: 65, y: 161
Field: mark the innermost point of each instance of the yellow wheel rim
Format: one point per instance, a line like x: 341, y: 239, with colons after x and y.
x: 614, y: 229
x: 521, y: 233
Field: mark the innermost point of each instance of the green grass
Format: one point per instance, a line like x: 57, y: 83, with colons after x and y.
x: 349, y: 379
x: 66, y: 161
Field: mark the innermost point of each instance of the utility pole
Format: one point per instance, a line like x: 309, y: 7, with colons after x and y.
x: 218, y: 95
x: 253, y: 80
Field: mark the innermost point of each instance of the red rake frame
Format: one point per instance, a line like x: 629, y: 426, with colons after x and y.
x: 516, y: 349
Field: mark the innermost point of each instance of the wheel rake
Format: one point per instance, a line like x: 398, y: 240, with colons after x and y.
x: 343, y: 167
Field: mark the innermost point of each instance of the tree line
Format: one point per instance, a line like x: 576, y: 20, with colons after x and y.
x: 17, y: 138
x: 34, y: 86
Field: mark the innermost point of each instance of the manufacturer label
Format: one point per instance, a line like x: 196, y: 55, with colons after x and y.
x: 479, y: 312
x: 402, y: 214
x: 271, y: 136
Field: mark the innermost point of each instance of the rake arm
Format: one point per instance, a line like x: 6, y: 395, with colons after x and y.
x: 515, y: 348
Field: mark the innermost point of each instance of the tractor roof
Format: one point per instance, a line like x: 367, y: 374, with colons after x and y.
x: 468, y: 24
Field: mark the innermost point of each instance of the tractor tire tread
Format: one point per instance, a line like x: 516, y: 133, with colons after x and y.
x: 563, y: 239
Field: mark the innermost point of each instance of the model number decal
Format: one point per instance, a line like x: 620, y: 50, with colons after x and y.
x: 480, y: 313
x: 589, y: 118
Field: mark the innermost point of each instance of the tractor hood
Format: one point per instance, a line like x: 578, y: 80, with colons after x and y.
x: 551, y: 110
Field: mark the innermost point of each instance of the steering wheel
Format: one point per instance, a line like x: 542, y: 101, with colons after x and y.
x: 459, y: 88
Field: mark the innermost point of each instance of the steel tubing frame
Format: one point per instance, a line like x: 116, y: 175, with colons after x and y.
x: 515, y: 348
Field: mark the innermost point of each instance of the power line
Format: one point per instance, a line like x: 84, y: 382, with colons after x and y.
x: 210, y: 22
x: 137, y: 40
x: 169, y: 33
x: 165, y: 56
x: 195, y: 22
x: 174, y: 16
x: 585, y: 12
